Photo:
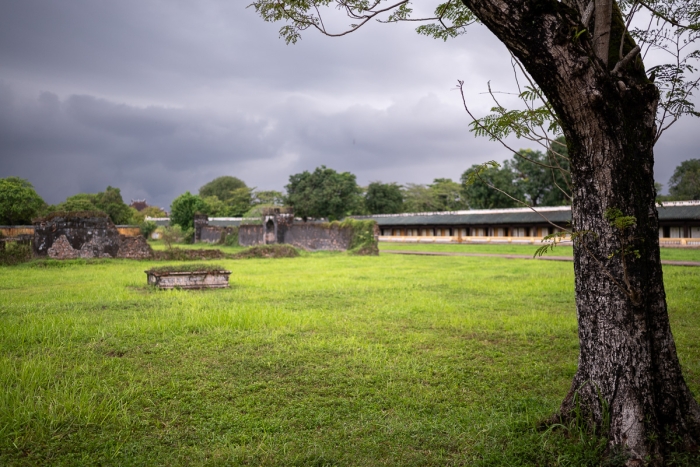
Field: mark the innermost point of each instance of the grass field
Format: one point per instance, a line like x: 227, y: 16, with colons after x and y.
x: 321, y: 360
x: 675, y: 254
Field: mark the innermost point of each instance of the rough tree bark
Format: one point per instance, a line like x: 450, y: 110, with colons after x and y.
x: 628, y: 369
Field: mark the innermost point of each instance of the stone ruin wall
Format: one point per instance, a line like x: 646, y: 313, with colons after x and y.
x: 72, y: 237
x: 250, y: 235
x: 214, y: 234
x: 280, y: 228
x: 308, y: 236
x: 319, y: 237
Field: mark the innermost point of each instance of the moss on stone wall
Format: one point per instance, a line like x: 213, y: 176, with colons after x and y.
x: 70, y: 215
x: 197, y: 267
x: 364, y: 236
x: 268, y: 251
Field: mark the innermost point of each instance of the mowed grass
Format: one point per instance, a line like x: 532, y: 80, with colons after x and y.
x: 675, y: 254
x: 159, y: 246
x: 321, y: 360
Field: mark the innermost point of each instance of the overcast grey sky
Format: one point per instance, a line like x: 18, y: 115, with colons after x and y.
x: 157, y: 97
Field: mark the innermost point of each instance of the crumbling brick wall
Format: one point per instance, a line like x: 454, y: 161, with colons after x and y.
x: 134, y: 248
x: 85, y: 235
x: 62, y: 249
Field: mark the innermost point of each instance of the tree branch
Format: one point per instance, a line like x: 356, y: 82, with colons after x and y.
x: 626, y: 60
x: 603, y: 22
x: 588, y: 14
x: 664, y: 17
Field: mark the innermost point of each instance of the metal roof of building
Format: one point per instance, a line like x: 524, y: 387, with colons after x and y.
x: 225, y: 221
x: 670, y: 211
x: 679, y: 210
x: 159, y: 221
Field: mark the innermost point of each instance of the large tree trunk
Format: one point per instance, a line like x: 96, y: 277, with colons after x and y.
x: 628, y: 369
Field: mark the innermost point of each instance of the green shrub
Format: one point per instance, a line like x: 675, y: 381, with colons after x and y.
x: 170, y: 234
x: 268, y: 251
x: 188, y: 235
x: 12, y: 253
x: 147, y: 228
x: 229, y: 237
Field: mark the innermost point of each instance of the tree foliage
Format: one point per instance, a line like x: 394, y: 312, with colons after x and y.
x: 19, y: 202
x: 384, y: 198
x: 215, y: 207
x: 323, y: 193
x: 139, y: 217
x: 110, y: 201
x: 222, y: 187
x: 268, y: 197
x: 447, y: 195
x: 153, y: 211
x: 685, y: 181
x: 540, y: 183
x: 183, y: 209
x: 418, y: 198
x: 491, y: 188
x: 530, y: 178
x: 79, y: 202
x: 227, y: 196
x: 240, y: 202
x: 441, y: 195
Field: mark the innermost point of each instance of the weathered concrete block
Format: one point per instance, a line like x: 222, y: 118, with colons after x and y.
x: 189, y: 280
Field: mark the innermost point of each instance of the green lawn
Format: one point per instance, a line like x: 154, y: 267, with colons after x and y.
x: 159, y: 245
x: 321, y: 360
x: 676, y: 254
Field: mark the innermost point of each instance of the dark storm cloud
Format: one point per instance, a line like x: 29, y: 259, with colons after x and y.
x: 158, y: 97
x: 122, y: 120
x: 83, y: 144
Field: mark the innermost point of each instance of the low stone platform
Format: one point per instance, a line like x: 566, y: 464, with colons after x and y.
x: 189, y: 280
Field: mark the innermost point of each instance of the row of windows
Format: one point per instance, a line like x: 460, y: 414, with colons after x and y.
x: 664, y: 232
x: 470, y: 232
x: 679, y: 232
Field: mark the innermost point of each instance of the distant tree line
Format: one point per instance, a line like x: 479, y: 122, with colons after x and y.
x: 328, y: 194
x: 20, y: 203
